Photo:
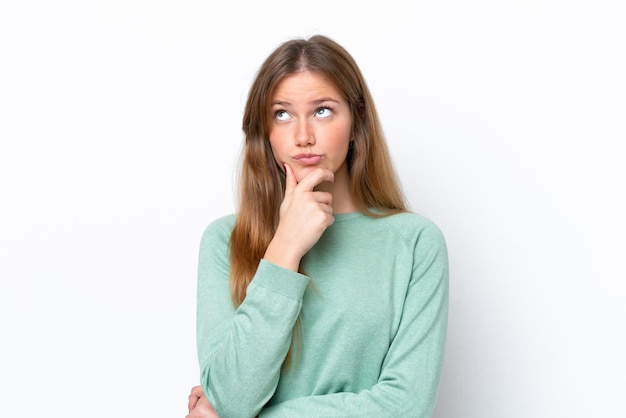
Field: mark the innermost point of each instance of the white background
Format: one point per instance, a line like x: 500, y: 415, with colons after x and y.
x: 120, y: 132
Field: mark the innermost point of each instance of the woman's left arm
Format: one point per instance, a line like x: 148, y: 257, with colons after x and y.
x: 199, y: 406
x: 409, y: 379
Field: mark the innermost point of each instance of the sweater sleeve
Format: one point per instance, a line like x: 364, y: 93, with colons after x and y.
x: 410, y: 374
x: 241, y: 351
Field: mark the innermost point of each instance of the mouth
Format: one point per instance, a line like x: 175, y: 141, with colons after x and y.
x: 308, y: 159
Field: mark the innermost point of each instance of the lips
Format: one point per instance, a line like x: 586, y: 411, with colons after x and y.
x: 308, y: 159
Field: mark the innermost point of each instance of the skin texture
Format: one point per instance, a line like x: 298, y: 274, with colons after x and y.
x: 310, y: 136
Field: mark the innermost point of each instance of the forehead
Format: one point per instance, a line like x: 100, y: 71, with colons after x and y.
x: 305, y: 85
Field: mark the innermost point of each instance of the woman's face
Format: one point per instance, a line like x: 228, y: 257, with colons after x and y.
x: 310, y: 124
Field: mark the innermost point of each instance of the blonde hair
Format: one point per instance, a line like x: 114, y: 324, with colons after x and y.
x: 374, y: 186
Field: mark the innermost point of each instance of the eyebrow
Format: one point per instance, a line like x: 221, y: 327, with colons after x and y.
x: 313, y: 102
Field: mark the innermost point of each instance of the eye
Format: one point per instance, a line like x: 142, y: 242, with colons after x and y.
x: 323, y: 112
x: 282, y: 115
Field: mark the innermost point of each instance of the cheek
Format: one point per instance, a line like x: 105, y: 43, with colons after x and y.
x: 342, y: 141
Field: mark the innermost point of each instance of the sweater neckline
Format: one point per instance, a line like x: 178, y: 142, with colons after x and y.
x: 341, y: 217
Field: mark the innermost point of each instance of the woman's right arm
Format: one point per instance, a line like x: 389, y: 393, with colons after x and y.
x: 241, y: 351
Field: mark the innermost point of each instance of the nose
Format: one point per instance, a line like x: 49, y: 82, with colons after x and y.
x: 304, y: 134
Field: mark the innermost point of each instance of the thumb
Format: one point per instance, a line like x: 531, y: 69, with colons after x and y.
x: 290, y: 179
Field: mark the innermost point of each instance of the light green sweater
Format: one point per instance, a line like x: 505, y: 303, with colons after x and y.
x: 373, y: 309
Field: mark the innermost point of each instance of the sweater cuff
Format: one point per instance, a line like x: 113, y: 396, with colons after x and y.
x: 280, y: 280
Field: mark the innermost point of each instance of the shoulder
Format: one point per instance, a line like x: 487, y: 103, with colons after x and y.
x: 414, y: 228
x: 426, y: 242
x: 219, y: 229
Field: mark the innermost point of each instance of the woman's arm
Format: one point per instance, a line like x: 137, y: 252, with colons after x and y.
x: 241, y: 351
x: 409, y: 378
x: 198, y: 405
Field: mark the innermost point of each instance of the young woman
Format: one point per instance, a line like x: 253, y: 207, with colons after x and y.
x: 323, y: 295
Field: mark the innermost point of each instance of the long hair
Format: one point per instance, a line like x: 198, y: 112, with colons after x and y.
x: 374, y: 186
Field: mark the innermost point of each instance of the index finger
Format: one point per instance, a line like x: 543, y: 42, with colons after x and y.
x: 315, y: 177
x: 290, y: 179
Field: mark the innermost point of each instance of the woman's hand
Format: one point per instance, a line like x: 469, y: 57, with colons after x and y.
x: 198, y: 405
x: 304, y: 216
